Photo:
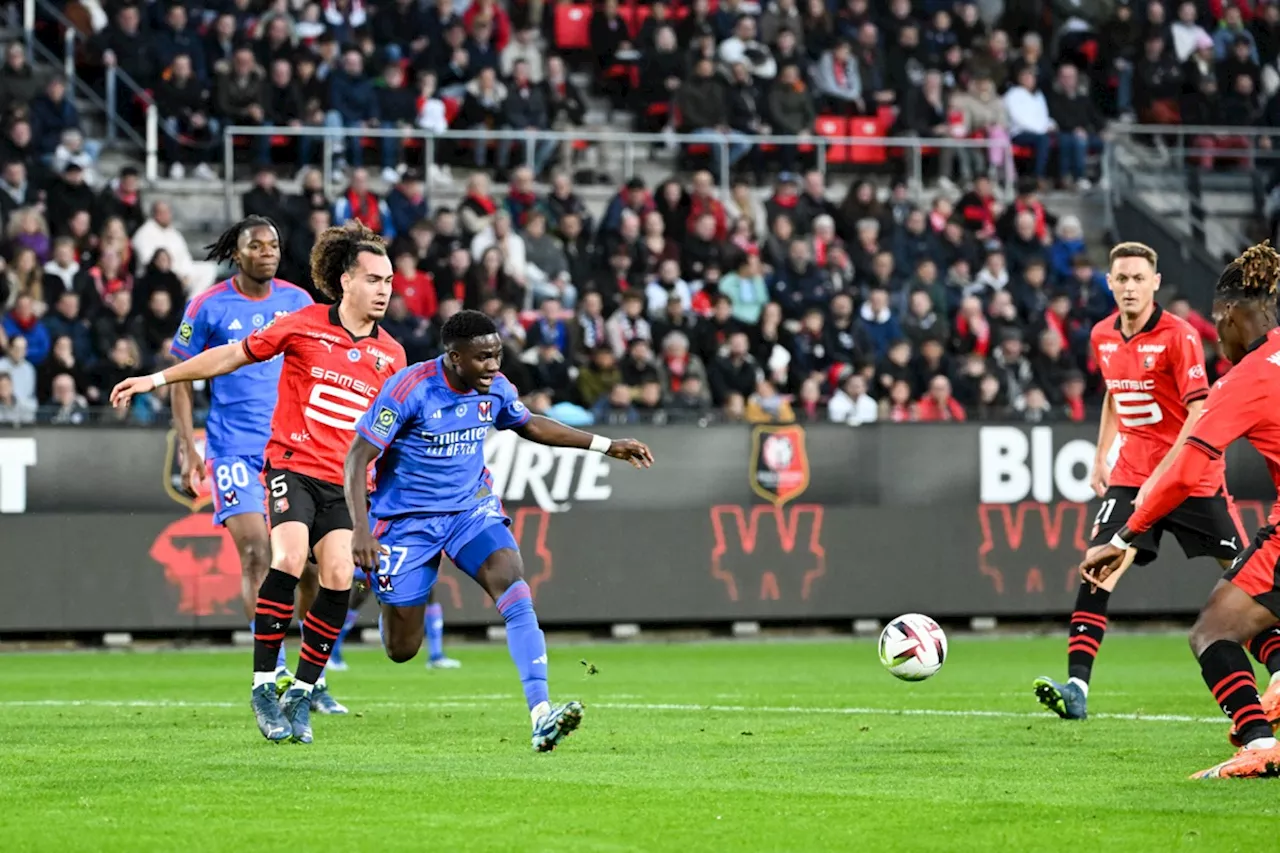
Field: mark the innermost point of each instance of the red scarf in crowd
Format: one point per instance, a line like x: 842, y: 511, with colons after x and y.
x: 676, y: 368
x: 1075, y: 409
x: 525, y: 202
x: 700, y: 206
x: 982, y: 336
x: 365, y: 208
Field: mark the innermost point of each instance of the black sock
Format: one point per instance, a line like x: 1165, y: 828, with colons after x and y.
x: 320, y: 630
x: 271, y: 617
x: 1266, y: 648
x: 1088, y: 626
x: 1229, y: 676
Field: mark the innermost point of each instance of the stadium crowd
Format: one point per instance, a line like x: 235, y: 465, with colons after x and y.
x: 685, y: 300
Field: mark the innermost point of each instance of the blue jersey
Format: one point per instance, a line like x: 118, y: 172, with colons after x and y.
x: 239, y: 421
x: 432, y: 438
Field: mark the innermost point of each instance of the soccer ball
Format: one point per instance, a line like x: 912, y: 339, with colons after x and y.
x: 913, y: 647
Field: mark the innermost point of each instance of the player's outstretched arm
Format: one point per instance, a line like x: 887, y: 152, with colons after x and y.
x: 208, y: 364
x: 365, y: 549
x: 555, y: 434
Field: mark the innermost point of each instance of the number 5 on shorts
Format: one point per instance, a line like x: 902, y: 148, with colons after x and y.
x: 279, y: 486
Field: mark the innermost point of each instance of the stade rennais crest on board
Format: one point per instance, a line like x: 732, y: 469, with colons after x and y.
x: 198, y: 558
x: 779, y: 463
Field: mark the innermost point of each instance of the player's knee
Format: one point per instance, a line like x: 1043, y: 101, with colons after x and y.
x: 402, y: 652
x: 255, y: 557
x: 292, y: 564
x: 501, y: 571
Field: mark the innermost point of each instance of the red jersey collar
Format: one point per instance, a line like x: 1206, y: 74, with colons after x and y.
x: 337, y: 321
x: 1149, y: 327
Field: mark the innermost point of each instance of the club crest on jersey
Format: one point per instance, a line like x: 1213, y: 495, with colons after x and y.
x: 461, y: 410
x: 384, y: 422
x: 281, y: 506
x: 1149, y: 362
x: 229, y: 498
x: 185, y: 331
x: 353, y: 355
x: 484, y: 410
x: 258, y: 320
x: 384, y: 583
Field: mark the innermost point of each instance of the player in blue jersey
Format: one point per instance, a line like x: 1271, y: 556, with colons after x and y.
x: 239, y: 421
x: 433, y: 495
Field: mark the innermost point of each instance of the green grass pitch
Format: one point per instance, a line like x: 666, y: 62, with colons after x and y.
x: 732, y: 746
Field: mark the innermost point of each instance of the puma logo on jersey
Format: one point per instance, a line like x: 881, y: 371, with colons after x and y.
x: 1230, y: 543
x: 1274, y: 358
x: 235, y: 326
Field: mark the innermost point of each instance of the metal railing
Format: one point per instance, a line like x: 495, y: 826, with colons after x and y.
x: 631, y: 143
x: 1164, y: 161
x: 114, y: 79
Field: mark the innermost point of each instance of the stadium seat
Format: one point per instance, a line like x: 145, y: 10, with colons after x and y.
x: 834, y: 126
x: 866, y: 155
x: 573, y: 26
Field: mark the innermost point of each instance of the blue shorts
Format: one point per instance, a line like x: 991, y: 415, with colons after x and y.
x: 407, y: 573
x: 237, y: 486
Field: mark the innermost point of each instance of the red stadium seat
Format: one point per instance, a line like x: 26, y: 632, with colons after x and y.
x: 573, y: 26
x: 866, y: 155
x: 834, y: 126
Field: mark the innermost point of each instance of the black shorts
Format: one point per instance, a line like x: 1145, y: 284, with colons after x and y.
x: 1204, y: 527
x: 321, y: 506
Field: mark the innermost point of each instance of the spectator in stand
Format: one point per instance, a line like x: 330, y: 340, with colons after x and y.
x: 66, y: 406
x: 837, y: 81
x: 117, y: 321
x: 62, y: 361
x: 879, y: 322
x: 922, y: 322
x: 546, y: 265
x: 189, y: 131
x: 615, y: 54
x: 747, y: 289
x: 482, y: 110
x: 159, y: 323
x: 400, y: 29
x: 19, y: 146
x: 160, y: 277
x: 703, y: 106
x: 220, y: 43
x: 175, y: 39
x: 239, y: 94
x: 938, y: 404
x: 735, y: 372
x: 800, y: 284
x: 61, y: 270
x: 20, y: 371
x: 743, y: 48
x: 65, y: 320
x: 1079, y: 127
x: 13, y: 411
x: 406, y: 203
x: 562, y: 201
x: 628, y: 323
x: 265, y: 198
x: 851, y: 404
x: 525, y: 109
x: 27, y: 229
x: 552, y: 372
x: 122, y: 361
x: 1187, y: 31
x: 22, y: 322
x: 1030, y: 124
x: 550, y: 330
x: 598, y: 377
x: 159, y: 232
x: 18, y: 81
x: 275, y: 40
x: 397, y: 109
x: 616, y: 408
x: 1157, y: 83
x: 361, y: 203
x: 767, y: 406
x: 415, y: 286
x: 661, y: 71
x: 123, y: 45
x: 353, y: 105
x: 1051, y: 365
x: 52, y: 114
x: 992, y: 403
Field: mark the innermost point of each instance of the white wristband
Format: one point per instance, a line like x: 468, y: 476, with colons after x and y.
x: 157, y: 379
x: 1117, y: 542
x: 600, y: 444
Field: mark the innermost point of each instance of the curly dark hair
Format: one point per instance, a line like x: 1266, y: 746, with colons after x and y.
x: 1252, y: 277
x: 466, y: 325
x: 224, y: 248
x: 336, y: 251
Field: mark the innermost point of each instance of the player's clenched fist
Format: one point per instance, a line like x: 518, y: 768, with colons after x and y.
x: 630, y: 450
x: 365, y: 550
x: 126, y: 390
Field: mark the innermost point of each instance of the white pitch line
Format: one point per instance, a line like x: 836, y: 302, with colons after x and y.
x: 633, y: 706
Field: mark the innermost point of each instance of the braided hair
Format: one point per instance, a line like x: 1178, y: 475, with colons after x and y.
x: 1252, y: 277
x: 336, y: 251
x: 225, y: 247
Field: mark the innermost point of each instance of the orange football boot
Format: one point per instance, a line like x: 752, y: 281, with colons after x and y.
x: 1245, y: 764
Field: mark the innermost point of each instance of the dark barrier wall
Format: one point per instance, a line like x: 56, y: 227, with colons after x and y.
x: 732, y: 523
x: 1187, y: 266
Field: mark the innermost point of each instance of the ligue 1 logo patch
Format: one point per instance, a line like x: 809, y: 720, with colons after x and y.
x: 779, y: 463
x: 185, y: 332
x: 485, y: 410
x: 384, y: 422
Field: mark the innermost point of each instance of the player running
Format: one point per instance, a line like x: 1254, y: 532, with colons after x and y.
x: 1247, y: 600
x: 336, y: 359
x: 433, y: 495
x: 1153, y: 364
x: 239, y: 421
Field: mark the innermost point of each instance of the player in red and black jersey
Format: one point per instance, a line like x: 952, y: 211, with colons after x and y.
x: 335, y: 360
x: 1153, y: 366
x: 1243, y: 404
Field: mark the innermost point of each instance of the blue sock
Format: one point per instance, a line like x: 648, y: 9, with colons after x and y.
x: 347, y: 625
x: 280, y: 657
x: 434, y: 624
x: 525, y: 641
x: 381, y: 636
